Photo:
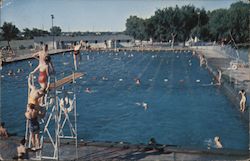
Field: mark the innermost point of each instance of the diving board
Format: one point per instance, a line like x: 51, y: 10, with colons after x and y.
x: 65, y: 80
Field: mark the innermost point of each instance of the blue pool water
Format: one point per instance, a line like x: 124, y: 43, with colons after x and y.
x: 183, y: 107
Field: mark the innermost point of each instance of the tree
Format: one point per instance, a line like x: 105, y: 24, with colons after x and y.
x: 9, y: 32
x: 135, y: 27
x: 55, y: 31
x: 218, y: 24
x: 30, y: 34
x: 239, y: 21
x: 150, y: 28
x: 27, y: 33
x: 174, y: 23
x: 178, y: 24
x: 188, y: 17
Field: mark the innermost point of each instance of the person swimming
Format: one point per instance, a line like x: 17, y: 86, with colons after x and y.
x: 10, y: 72
x: 243, y: 100
x: 104, y: 78
x: 203, y: 61
x: 217, y: 142
x: 143, y: 104
x: 88, y: 90
x: 137, y: 82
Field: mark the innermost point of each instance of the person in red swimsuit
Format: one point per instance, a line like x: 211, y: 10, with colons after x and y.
x: 43, y: 74
x: 42, y: 77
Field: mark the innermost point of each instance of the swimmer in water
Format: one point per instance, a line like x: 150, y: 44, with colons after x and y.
x: 203, y: 61
x: 30, y: 64
x: 145, y: 105
x: 18, y: 70
x: 137, y: 82
x: 10, y: 72
x: 104, y: 78
x: 88, y: 90
x: 243, y: 100
x: 217, y: 142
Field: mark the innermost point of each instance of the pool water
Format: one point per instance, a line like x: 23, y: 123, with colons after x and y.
x: 185, y: 108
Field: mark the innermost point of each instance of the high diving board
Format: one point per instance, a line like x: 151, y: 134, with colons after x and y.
x: 65, y: 80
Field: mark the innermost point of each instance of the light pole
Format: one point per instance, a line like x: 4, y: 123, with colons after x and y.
x: 52, y: 17
x: 198, y: 25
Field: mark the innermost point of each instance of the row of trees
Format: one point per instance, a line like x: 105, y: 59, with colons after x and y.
x: 10, y: 31
x: 179, y: 24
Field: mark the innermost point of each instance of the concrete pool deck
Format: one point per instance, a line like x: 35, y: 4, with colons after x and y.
x: 123, y: 151
x: 237, y: 79
x: 26, y: 56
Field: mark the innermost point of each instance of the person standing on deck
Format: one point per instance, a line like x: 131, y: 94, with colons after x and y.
x: 203, y: 61
x: 243, y: 100
x: 22, y: 151
x: 219, y: 77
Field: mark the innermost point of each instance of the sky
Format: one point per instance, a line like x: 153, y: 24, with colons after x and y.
x: 90, y: 15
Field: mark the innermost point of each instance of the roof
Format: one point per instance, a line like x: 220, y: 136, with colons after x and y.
x: 84, y: 38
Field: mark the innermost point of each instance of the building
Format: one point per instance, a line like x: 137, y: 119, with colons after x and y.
x: 94, y: 42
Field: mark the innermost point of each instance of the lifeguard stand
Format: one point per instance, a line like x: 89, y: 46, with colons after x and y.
x: 54, y: 122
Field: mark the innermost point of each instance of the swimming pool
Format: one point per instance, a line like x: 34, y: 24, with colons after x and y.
x: 184, y: 107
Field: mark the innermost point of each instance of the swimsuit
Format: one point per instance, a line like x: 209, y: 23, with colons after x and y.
x: 76, y: 52
x: 42, y: 77
x: 34, y: 125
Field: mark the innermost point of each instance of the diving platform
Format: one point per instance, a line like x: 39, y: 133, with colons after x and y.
x: 65, y: 80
